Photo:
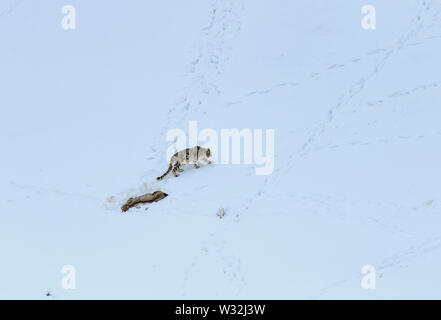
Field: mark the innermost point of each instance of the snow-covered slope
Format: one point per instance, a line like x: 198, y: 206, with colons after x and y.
x: 356, y: 179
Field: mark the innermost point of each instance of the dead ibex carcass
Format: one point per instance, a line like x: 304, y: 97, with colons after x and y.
x: 145, y: 198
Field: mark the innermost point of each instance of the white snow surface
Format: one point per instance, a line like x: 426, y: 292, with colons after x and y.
x: 357, y: 176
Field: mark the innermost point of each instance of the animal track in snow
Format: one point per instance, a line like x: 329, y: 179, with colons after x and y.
x: 226, y: 265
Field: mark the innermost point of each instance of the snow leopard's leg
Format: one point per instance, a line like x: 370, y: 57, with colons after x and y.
x: 196, y: 165
x: 178, y: 168
x: 205, y: 161
x: 174, y: 170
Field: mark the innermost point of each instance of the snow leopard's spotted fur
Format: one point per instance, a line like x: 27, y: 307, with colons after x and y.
x: 187, y: 156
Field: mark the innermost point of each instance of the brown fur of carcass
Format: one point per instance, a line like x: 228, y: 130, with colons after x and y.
x: 145, y: 198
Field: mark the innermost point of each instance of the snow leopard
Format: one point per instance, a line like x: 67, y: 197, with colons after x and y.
x: 187, y: 156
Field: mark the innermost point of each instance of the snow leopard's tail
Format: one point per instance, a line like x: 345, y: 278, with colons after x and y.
x: 166, y: 173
